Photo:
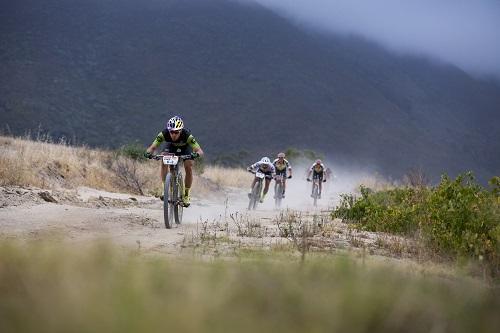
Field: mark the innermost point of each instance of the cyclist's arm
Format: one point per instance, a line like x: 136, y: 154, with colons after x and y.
x: 156, y: 143
x: 194, y: 145
x: 254, y: 166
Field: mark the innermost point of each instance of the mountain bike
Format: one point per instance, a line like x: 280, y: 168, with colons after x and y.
x: 278, y: 190
x: 256, y: 189
x: 279, y: 187
x: 173, y: 190
x: 315, y: 189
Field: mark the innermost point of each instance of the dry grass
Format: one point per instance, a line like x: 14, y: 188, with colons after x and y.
x: 45, y: 164
x: 377, y: 183
x: 227, y: 177
x: 50, y: 288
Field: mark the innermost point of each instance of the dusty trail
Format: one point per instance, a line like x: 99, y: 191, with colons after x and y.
x: 84, y: 215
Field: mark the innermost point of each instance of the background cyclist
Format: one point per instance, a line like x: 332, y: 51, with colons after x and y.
x: 318, y: 171
x: 266, y: 167
x: 282, y: 166
x: 179, y: 141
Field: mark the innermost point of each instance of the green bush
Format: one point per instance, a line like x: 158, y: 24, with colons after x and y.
x: 134, y: 151
x: 463, y: 218
x: 394, y: 211
x: 458, y: 217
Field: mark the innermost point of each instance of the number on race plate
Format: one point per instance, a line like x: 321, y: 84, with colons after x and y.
x: 170, y: 159
x: 259, y: 175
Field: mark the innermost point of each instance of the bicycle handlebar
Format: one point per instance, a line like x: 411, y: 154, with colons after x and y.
x: 182, y: 157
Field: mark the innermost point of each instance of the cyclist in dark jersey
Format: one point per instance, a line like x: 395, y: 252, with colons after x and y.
x: 179, y: 141
x: 318, y: 171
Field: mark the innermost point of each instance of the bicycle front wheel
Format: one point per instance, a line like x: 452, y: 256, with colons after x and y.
x: 278, y: 194
x: 315, y: 194
x: 254, y: 197
x: 168, y: 207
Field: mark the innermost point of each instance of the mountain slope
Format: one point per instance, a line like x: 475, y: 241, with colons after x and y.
x: 108, y: 72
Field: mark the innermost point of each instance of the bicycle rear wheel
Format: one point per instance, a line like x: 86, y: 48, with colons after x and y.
x: 168, y: 208
x: 178, y: 193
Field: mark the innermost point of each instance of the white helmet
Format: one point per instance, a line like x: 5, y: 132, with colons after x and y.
x: 265, y: 160
x: 175, y: 124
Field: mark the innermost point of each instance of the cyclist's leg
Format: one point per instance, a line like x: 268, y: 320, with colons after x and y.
x: 320, y: 178
x: 188, y: 177
x: 266, y: 186
x: 188, y: 167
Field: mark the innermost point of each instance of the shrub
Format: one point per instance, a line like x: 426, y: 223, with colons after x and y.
x: 457, y: 217
x: 463, y: 218
x: 394, y: 211
x: 134, y: 151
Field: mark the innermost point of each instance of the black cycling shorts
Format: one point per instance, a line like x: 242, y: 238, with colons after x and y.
x: 178, y: 151
x: 282, y: 173
x: 318, y: 175
x: 269, y: 174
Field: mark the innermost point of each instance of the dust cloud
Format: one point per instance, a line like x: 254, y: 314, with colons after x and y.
x: 297, y: 196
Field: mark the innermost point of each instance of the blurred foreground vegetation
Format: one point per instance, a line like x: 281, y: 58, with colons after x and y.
x: 458, y: 217
x: 56, y: 289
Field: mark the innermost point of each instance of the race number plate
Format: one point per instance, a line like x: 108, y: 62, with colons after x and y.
x: 170, y: 159
x: 259, y: 174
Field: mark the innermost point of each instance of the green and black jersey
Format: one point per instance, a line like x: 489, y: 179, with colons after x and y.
x: 185, y: 139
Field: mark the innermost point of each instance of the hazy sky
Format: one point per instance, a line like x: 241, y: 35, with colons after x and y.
x: 463, y: 32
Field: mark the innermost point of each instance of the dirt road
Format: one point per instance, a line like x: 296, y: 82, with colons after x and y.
x: 85, y: 214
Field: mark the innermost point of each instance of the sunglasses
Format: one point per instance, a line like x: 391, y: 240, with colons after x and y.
x: 174, y: 132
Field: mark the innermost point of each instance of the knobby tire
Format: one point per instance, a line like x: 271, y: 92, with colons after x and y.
x: 168, y: 214
x: 315, y: 194
x: 255, y: 196
x: 278, y: 193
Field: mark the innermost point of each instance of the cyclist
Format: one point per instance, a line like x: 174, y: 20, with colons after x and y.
x: 318, y: 171
x: 266, y: 167
x: 179, y: 141
x: 282, y: 166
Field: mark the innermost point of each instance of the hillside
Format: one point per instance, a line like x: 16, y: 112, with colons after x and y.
x: 109, y: 72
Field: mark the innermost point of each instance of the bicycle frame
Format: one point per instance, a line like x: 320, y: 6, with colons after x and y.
x: 256, y: 190
x: 278, y: 189
x: 315, y: 189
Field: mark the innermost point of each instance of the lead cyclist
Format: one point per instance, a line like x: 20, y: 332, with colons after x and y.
x: 179, y: 141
